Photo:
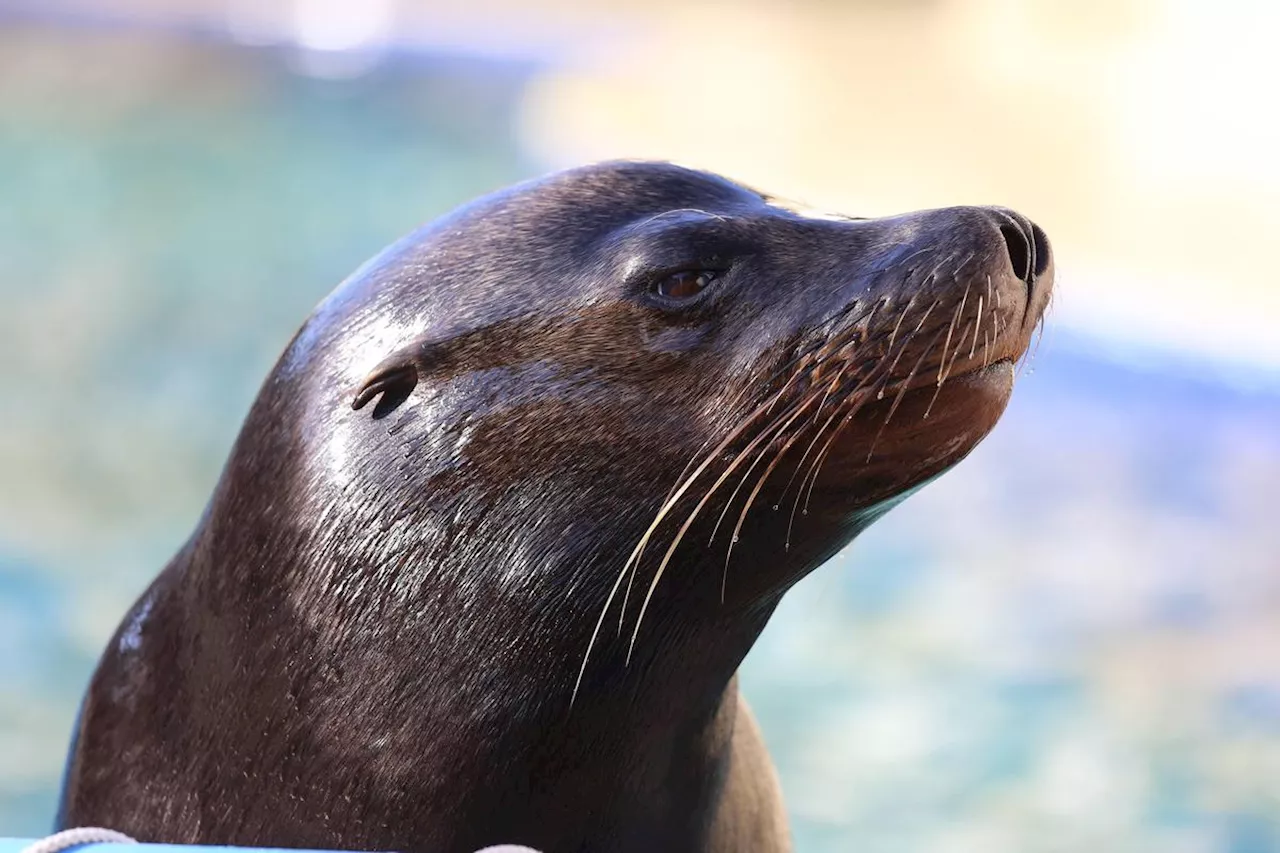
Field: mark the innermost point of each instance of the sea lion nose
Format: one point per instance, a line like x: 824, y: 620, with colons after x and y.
x: 1026, y: 243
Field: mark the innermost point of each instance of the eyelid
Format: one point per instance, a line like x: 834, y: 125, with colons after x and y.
x: 697, y: 274
x: 650, y: 285
x: 651, y: 255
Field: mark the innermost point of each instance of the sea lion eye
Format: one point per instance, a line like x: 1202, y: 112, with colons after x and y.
x: 685, y: 284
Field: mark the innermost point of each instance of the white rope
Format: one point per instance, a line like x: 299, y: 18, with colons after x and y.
x: 69, y: 838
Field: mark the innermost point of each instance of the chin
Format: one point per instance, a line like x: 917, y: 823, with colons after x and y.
x: 886, y: 452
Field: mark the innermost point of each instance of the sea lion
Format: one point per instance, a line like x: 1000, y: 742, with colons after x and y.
x: 517, y: 500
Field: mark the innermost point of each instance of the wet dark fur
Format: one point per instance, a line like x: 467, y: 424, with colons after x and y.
x: 374, y: 636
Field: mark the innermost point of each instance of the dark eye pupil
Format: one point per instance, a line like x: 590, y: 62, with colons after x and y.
x: 683, y: 285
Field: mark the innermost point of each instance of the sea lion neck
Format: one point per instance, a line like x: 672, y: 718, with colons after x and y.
x: 507, y: 643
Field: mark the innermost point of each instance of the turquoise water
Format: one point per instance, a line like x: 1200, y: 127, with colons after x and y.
x: 1071, y: 642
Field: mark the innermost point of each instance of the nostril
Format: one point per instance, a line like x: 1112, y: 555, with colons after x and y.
x: 1040, y: 250
x: 1021, y: 250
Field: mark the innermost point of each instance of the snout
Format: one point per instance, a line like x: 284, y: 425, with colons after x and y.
x: 996, y: 243
x: 989, y: 268
x: 1029, y: 253
x: 952, y: 291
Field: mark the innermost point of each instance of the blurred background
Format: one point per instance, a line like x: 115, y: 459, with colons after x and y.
x: 1070, y: 643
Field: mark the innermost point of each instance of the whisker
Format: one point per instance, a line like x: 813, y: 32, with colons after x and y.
x: 944, y: 368
x: 903, y: 392
x: 816, y: 414
x: 831, y: 386
x: 1030, y: 354
x: 742, y: 516
x: 925, y: 316
x: 826, y: 448
x: 843, y: 342
x: 977, y: 321
x: 903, y: 262
x: 807, y: 350
x: 946, y: 260
x: 724, y: 574
x: 683, y: 486
x: 634, y: 559
x: 947, y: 343
x: 959, y: 346
x: 707, y: 213
x: 964, y: 299
x: 595, y: 633
x: 903, y: 349
x: 885, y: 367
x: 773, y: 430
x: 767, y: 436
x: 657, y: 576
x: 894, y: 334
x: 853, y: 393
x: 687, y: 478
x: 737, y: 528
x: 936, y: 391
x: 946, y: 365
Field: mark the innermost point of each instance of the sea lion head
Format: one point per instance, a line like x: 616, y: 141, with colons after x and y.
x: 648, y: 389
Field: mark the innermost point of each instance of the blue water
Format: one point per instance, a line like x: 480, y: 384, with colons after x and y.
x: 1070, y: 642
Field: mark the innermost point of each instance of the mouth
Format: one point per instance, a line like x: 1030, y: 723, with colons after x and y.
x: 1000, y: 368
x: 992, y: 380
x: 917, y: 431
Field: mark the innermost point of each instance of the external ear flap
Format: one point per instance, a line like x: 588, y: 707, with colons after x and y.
x: 394, y: 378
